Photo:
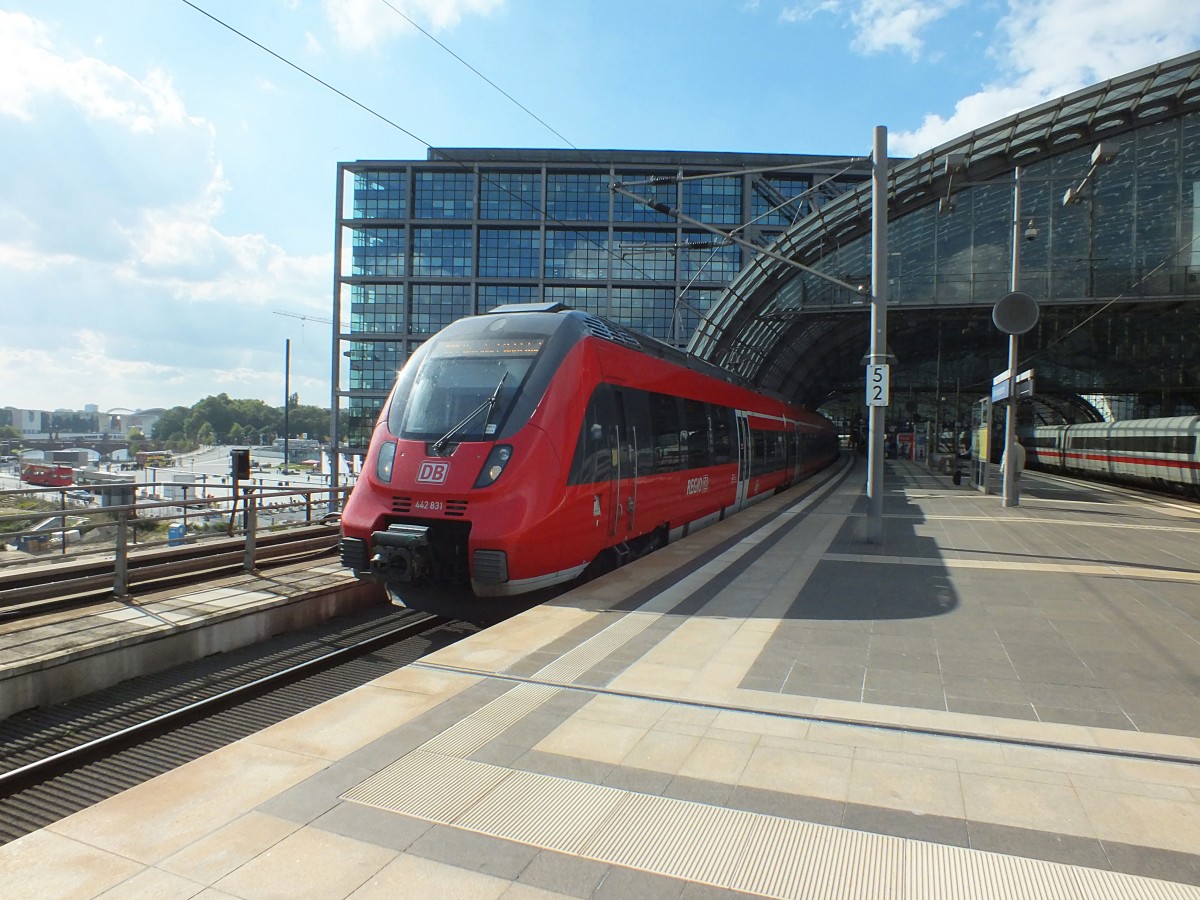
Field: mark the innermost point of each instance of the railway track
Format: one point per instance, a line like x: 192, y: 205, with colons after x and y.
x: 59, y: 760
x: 35, y: 590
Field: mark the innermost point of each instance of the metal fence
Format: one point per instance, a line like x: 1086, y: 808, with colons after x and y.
x: 39, y: 524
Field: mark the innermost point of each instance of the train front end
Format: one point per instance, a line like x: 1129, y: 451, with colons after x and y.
x: 460, y: 467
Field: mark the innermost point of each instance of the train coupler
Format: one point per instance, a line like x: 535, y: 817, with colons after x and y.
x: 402, y: 552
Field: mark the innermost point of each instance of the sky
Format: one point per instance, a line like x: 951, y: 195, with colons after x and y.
x: 168, y: 186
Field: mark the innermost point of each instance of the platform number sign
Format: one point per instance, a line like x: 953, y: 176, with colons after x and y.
x: 877, y: 385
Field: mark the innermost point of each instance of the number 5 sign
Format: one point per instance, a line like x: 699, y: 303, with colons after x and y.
x: 877, y: 385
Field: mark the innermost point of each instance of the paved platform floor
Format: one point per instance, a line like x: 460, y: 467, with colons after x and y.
x: 988, y: 702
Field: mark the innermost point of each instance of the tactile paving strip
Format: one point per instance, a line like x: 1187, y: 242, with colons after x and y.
x: 732, y: 849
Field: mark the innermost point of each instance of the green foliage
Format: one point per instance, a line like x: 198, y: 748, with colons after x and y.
x: 221, y: 420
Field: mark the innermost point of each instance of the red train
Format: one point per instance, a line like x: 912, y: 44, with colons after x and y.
x: 527, y: 446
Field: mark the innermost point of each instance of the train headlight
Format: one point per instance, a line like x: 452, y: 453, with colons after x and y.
x: 383, y: 463
x: 494, y: 467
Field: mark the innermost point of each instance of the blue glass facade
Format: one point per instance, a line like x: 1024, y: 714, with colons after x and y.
x: 1107, y: 242
x: 424, y: 242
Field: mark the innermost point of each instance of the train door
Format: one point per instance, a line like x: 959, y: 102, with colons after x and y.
x: 745, y: 450
x: 791, y: 450
x: 632, y: 451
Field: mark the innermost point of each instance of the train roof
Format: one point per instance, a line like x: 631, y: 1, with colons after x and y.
x: 613, y: 332
x: 1160, y: 424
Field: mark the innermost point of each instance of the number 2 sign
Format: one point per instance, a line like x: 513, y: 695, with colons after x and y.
x: 877, y: 385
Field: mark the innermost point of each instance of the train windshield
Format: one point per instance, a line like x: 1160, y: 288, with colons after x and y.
x: 464, y: 388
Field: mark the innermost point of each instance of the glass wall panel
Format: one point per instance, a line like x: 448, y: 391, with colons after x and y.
x: 357, y: 421
x: 434, y: 306
x: 644, y: 255
x: 694, y: 305
x: 952, y: 249
x: 442, y: 251
x: 644, y: 309
x: 911, y: 261
x: 577, y: 197
x: 493, y: 295
x: 378, y: 251
x: 1158, y: 228
x: 444, y: 195
x: 714, y: 201
x: 779, y: 200
x: 380, y: 195
x: 1189, y: 230
x: 589, y: 299
x: 703, y: 257
x: 1056, y: 265
x: 377, y: 309
x: 374, y: 364
x: 509, y: 253
x: 626, y: 209
x: 510, y: 195
x: 576, y: 254
x: 1114, y: 202
x: 991, y: 207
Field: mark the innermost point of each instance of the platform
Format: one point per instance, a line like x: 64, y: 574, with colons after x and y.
x: 62, y: 655
x: 988, y: 702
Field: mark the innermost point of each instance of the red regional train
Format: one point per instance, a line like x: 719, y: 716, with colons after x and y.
x: 525, y: 447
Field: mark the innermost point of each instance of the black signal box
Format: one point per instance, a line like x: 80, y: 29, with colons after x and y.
x: 241, y: 464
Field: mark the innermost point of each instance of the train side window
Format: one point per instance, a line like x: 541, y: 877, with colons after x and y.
x: 593, y: 460
x: 640, y: 434
x: 667, y: 424
x: 722, y: 418
x: 699, y: 452
x: 759, y: 463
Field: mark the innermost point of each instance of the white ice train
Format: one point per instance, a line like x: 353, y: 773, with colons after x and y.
x: 1161, y: 453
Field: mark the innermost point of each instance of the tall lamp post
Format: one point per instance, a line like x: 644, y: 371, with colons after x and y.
x: 1015, y: 314
x: 287, y: 400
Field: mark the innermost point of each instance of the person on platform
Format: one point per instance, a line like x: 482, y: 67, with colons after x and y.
x: 1018, y: 459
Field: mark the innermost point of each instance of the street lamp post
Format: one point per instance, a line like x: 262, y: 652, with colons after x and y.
x: 1008, y: 490
x: 1017, y: 313
x: 287, y: 398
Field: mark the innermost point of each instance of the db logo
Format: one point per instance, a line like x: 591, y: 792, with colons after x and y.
x: 433, y: 472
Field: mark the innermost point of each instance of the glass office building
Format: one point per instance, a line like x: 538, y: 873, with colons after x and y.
x: 420, y: 243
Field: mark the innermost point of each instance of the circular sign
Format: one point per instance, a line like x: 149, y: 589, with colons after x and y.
x: 1015, y: 313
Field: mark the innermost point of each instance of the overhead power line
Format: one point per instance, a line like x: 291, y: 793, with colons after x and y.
x: 514, y: 100
x: 307, y: 74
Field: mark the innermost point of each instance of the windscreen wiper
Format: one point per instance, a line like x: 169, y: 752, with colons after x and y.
x: 489, y: 404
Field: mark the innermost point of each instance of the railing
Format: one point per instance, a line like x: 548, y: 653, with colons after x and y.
x: 66, y: 523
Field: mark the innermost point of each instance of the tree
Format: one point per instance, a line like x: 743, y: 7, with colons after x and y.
x: 8, y: 433
x: 206, y: 434
x: 171, y: 425
x: 310, y: 420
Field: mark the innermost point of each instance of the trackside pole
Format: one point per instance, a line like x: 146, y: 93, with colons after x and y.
x: 878, y: 352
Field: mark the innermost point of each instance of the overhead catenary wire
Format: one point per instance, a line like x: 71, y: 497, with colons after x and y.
x: 542, y: 210
x: 449, y: 158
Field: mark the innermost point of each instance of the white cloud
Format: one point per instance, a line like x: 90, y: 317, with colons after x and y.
x: 1048, y: 48
x: 31, y: 71
x: 117, y: 282
x: 366, y: 24
x: 883, y: 25
x: 879, y: 25
x: 805, y: 12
